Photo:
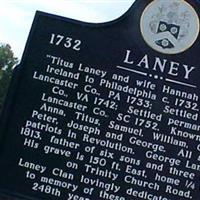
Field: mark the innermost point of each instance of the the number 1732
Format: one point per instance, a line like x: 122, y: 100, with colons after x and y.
x: 67, y: 42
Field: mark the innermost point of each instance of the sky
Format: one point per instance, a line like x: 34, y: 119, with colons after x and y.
x: 16, y: 16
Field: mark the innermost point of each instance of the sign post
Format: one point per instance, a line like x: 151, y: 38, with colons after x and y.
x: 106, y: 111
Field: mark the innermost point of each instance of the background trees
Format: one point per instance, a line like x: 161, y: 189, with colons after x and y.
x: 7, y: 62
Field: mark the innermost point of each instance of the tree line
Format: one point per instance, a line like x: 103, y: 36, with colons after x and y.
x: 7, y: 63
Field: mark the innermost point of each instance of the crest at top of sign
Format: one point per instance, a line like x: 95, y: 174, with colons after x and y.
x: 169, y: 26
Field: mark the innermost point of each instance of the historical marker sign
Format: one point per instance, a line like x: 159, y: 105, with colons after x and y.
x: 106, y: 111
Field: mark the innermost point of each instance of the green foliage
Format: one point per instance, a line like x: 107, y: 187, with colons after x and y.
x: 7, y: 62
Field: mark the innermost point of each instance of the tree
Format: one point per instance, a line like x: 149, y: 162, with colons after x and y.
x: 7, y: 62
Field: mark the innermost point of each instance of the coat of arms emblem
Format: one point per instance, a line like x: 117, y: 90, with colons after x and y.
x: 169, y: 27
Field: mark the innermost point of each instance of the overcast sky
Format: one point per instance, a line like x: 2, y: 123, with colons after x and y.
x: 16, y: 16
